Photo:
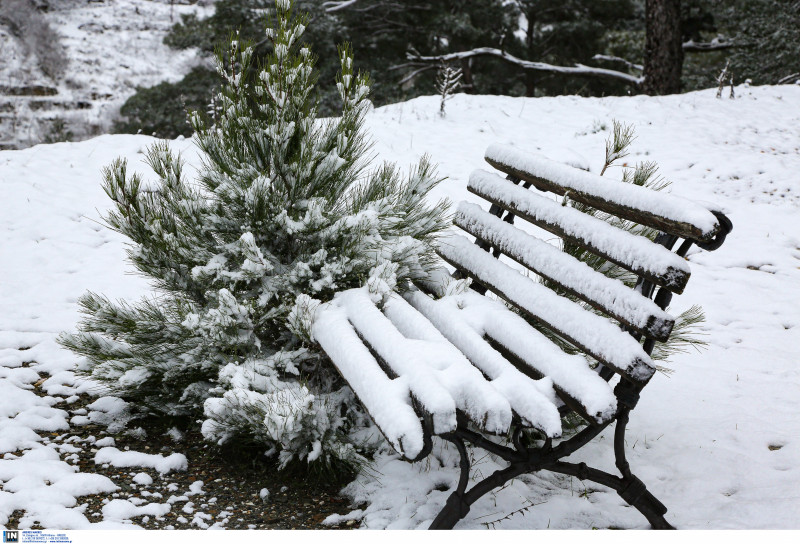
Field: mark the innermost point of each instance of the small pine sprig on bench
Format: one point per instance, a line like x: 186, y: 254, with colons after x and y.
x: 685, y: 333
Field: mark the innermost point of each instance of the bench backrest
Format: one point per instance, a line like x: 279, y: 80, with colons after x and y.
x: 616, y: 348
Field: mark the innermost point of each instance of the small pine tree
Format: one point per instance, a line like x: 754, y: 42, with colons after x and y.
x: 723, y: 75
x: 283, y: 209
x: 448, y: 80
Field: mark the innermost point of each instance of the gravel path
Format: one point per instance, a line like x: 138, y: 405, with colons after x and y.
x: 222, y: 487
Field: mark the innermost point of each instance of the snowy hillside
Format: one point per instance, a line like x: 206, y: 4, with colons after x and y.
x: 110, y: 47
x: 716, y: 441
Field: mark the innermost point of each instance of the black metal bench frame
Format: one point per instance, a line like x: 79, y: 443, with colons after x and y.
x: 523, y: 460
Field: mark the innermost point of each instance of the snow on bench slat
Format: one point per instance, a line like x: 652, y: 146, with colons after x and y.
x: 386, y: 400
x: 439, y: 376
x: 662, y: 211
x: 433, y: 371
x: 608, y: 294
x: 594, y: 334
x: 630, y: 251
x: 571, y: 374
x: 533, y: 400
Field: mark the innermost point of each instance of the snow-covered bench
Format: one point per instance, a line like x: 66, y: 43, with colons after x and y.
x: 446, y: 360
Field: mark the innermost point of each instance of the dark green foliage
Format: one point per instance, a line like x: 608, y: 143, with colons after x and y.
x: 58, y: 132
x: 570, y: 32
x: 382, y: 32
x: 160, y: 111
x: 768, y: 32
x: 243, y: 16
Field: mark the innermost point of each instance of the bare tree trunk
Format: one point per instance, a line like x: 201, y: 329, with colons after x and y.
x: 663, y: 53
x: 530, y: 76
x: 468, y: 86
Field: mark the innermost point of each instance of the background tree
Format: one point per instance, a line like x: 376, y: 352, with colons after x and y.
x: 768, y: 35
x: 508, y: 47
x: 663, y: 50
x: 568, y: 33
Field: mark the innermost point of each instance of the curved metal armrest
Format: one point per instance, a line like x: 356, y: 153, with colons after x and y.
x: 725, y: 228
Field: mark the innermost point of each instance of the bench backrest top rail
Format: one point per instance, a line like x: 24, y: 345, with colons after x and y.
x: 632, y: 252
x: 664, y: 212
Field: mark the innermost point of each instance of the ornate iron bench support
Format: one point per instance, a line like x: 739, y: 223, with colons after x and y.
x: 524, y: 461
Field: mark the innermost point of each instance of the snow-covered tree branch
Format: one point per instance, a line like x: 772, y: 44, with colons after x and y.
x: 626, y: 62
x: 577, y: 70
x: 334, y: 5
x: 703, y: 47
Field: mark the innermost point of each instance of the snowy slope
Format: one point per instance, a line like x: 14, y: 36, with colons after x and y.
x: 717, y: 441
x: 111, y: 47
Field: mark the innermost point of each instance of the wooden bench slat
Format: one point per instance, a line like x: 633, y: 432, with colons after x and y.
x: 529, y: 398
x: 465, y: 319
x: 439, y: 377
x: 661, y: 211
x: 593, y: 334
x: 426, y: 367
x: 635, y: 253
x: 606, y: 294
x: 387, y: 400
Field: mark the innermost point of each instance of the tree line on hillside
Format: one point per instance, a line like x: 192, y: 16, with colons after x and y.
x: 516, y: 48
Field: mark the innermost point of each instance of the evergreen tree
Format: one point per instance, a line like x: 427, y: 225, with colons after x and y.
x: 767, y: 35
x: 284, y: 209
x: 567, y: 33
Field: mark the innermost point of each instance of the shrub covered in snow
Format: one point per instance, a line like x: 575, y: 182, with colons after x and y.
x: 283, y: 214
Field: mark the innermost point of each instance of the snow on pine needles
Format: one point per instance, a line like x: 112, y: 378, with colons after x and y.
x: 716, y: 441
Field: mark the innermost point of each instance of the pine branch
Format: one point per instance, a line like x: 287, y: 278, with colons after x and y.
x: 617, y: 144
x: 285, y: 207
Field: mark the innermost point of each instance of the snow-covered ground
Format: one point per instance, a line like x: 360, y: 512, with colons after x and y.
x: 718, y: 441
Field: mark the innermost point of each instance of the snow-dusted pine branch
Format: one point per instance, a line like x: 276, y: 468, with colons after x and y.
x: 578, y: 69
x: 626, y: 62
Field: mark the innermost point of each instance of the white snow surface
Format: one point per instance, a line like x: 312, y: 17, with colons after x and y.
x: 164, y: 465
x: 717, y: 441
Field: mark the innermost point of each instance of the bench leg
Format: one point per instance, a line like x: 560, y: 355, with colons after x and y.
x: 628, y: 486
x: 456, y: 506
x: 633, y: 491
